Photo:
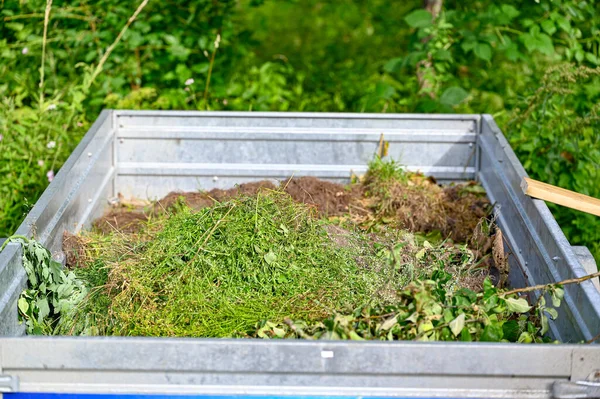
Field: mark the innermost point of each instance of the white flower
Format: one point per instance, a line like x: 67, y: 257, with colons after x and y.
x: 25, y: 50
x: 51, y: 107
x: 189, y: 81
x: 40, y: 162
x: 217, y: 41
x: 50, y: 175
x: 225, y: 102
x: 51, y: 144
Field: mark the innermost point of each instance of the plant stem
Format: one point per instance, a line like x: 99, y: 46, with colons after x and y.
x: 11, y: 238
x: 591, y: 341
x: 114, y: 44
x: 210, y: 68
x: 546, y: 286
x: 45, y: 35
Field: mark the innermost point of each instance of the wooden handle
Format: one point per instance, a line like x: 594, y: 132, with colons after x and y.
x: 560, y: 196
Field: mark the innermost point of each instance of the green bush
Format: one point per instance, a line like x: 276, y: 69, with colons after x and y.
x: 286, y: 55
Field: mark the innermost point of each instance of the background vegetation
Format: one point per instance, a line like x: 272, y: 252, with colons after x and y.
x: 532, y: 64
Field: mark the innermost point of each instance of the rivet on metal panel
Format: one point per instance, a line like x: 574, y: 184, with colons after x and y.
x: 526, y: 263
x: 520, y: 251
x: 90, y: 200
x: 89, y: 154
x: 121, y: 141
x: 556, y: 258
x: 470, y: 145
x: 500, y: 160
x: 327, y: 354
x: 215, y: 178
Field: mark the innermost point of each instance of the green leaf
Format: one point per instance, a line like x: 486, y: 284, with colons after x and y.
x: 509, y: 11
x: 23, y: 305
x: 592, y: 58
x: 548, y: 27
x: 557, y: 295
x: 44, y: 308
x: 389, y: 323
x: 419, y: 19
x: 393, y: 65
x: 453, y: 96
x: 284, y: 229
x: 442, y: 55
x: 563, y: 22
x: 492, y: 333
x: 511, y: 330
x: 544, y: 321
x: 525, y: 338
x: 546, y: 46
x: 270, y: 257
x: 465, y: 335
x: 457, y: 324
x: 469, y: 44
x: 354, y: 336
x: 512, y: 51
x: 552, y: 312
x: 517, y: 305
x: 279, y: 332
x: 483, y: 51
x: 384, y: 90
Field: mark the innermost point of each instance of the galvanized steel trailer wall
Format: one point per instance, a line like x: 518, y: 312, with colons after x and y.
x: 146, y: 154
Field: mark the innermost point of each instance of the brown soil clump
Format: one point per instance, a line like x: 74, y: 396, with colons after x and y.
x: 330, y: 199
x: 463, y: 210
x: 193, y: 200
x: 199, y: 200
x: 74, y: 248
x: 121, y: 220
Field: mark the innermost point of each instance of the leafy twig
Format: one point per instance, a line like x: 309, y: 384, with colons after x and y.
x: 441, y: 326
x: 546, y: 286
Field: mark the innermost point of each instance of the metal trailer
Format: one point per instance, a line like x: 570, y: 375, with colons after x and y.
x: 146, y: 154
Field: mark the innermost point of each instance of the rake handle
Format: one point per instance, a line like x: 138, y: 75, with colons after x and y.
x: 560, y: 196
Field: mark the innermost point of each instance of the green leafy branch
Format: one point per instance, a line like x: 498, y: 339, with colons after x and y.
x: 51, y: 293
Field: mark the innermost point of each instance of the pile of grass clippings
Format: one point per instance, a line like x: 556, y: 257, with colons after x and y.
x: 393, y: 256
x: 219, y: 270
